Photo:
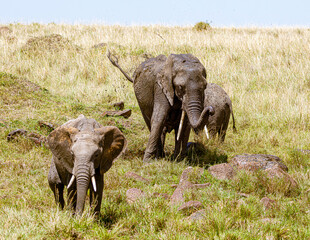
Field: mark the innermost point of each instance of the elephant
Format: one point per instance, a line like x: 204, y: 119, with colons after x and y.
x: 170, y: 94
x: 82, y: 151
x: 218, y: 122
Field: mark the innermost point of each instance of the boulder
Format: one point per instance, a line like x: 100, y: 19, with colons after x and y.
x: 223, y: 171
x: 254, y: 162
x: 278, y: 173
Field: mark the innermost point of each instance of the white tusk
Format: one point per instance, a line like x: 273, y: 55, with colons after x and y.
x: 181, y: 125
x: 93, y: 181
x: 206, y: 131
x: 71, y: 181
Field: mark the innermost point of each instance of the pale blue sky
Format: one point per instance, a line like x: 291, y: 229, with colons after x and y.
x: 167, y: 12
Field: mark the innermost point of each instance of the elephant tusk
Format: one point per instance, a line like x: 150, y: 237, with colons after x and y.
x: 93, y: 181
x: 181, y: 125
x: 71, y: 181
x: 206, y: 131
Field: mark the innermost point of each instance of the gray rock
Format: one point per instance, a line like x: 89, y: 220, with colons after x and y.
x: 254, y: 162
x: 223, y: 171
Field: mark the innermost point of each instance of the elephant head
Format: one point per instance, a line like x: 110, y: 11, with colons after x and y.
x: 184, y: 77
x: 82, y: 153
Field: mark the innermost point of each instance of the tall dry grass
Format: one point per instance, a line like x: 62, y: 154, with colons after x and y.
x: 265, y: 71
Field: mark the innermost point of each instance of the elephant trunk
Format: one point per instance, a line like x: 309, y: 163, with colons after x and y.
x: 198, y: 116
x: 82, y: 183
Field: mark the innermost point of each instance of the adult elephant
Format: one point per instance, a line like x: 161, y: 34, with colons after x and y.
x: 170, y: 94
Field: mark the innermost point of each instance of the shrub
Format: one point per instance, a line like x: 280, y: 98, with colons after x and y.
x: 202, y: 26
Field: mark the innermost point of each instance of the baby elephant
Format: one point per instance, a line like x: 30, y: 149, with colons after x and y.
x: 83, y: 150
x: 215, y: 96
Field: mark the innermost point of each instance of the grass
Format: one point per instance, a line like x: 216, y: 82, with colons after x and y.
x: 53, y: 73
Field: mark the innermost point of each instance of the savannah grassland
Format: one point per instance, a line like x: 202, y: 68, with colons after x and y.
x: 265, y: 71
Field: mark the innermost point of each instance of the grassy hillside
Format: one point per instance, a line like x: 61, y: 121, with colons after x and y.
x: 54, y: 73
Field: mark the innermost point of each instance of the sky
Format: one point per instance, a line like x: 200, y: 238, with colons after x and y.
x: 219, y: 13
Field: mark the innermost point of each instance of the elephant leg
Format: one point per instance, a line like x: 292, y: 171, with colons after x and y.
x: 187, y: 131
x: 96, y: 197
x: 160, y: 153
x: 154, y: 145
x: 181, y: 144
x: 56, y: 185
x: 222, y: 132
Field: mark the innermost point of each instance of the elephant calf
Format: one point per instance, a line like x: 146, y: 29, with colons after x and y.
x: 83, y: 150
x: 218, y: 123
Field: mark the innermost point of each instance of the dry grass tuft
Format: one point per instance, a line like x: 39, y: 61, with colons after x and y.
x: 51, y: 43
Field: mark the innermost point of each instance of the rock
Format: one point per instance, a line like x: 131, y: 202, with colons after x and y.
x: 12, y: 135
x: 100, y: 45
x: 255, y: 162
x: 46, y: 125
x: 119, y: 105
x: 162, y: 195
x: 125, y: 113
x: 269, y: 220
x: 177, y: 196
x: 268, y: 203
x: 197, y: 216
x: 304, y: 151
x: 277, y: 172
x: 244, y: 195
x: 188, y: 171
x: 190, y: 207
x: 133, y: 195
x: 136, y: 177
x: 184, y: 184
x: 223, y: 171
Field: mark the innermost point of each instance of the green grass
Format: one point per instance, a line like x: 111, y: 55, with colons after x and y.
x: 52, y: 73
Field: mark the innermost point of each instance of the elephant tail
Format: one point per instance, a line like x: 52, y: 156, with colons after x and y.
x: 233, y: 118
x: 115, y: 63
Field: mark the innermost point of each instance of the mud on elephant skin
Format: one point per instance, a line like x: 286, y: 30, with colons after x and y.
x: 218, y: 122
x: 82, y: 151
x: 169, y: 89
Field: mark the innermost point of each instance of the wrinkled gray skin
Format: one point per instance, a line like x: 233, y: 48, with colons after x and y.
x: 164, y: 86
x: 218, y: 123
x: 83, y: 148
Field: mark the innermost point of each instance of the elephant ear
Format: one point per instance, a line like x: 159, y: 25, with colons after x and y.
x: 113, y: 143
x: 59, y: 141
x: 165, y: 78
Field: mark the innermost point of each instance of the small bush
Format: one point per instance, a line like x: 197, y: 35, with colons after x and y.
x: 202, y: 26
